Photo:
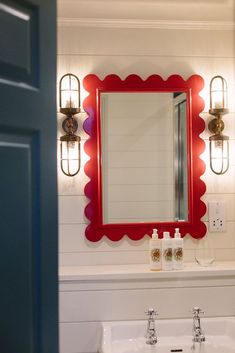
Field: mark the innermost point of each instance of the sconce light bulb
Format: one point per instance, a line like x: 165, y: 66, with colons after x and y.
x: 69, y: 94
x: 219, y: 153
x: 218, y: 96
x: 70, y: 156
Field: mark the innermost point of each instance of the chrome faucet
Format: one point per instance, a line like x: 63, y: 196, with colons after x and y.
x: 151, y: 332
x: 198, y: 334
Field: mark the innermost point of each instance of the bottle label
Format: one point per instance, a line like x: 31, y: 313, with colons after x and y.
x: 156, y: 255
x: 167, y: 254
x: 178, y: 254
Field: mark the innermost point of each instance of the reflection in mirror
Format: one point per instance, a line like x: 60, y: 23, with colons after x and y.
x: 180, y: 157
x: 144, y: 157
x: 144, y: 151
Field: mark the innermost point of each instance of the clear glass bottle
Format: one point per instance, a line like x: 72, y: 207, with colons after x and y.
x: 204, y: 252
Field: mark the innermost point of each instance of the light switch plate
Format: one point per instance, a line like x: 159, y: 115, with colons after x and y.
x: 217, y: 217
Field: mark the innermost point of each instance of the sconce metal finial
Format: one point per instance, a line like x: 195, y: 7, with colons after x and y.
x: 218, y: 143
x: 69, y: 102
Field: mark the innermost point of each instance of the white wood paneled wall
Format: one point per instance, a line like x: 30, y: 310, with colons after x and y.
x: 116, y: 293
x: 84, y: 50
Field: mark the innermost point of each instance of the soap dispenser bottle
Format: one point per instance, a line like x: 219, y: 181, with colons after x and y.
x: 178, y: 250
x: 167, y: 252
x: 155, y: 252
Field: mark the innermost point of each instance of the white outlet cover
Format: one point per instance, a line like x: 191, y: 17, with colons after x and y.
x: 217, y: 217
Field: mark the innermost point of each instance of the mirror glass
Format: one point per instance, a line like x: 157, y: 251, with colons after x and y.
x: 144, y: 148
x: 144, y: 156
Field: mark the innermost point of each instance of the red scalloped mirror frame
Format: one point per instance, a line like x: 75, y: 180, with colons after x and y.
x: 196, y: 167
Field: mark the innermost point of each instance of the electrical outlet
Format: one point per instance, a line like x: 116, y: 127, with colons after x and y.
x: 217, y: 221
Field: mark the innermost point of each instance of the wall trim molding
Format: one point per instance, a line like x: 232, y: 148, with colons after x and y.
x: 139, y: 23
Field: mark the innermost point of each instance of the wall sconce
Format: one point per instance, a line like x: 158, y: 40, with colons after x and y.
x: 69, y: 102
x: 218, y: 143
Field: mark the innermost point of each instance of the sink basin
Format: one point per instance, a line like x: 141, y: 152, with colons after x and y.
x: 174, y: 336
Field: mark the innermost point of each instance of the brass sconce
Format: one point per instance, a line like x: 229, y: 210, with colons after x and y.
x: 218, y: 143
x: 69, y: 102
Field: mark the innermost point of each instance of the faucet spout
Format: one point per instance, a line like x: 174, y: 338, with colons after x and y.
x: 198, y: 334
x: 151, y: 336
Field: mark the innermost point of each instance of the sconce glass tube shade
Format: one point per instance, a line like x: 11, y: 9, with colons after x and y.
x: 69, y: 94
x: 70, y: 154
x: 218, y: 96
x: 219, y: 153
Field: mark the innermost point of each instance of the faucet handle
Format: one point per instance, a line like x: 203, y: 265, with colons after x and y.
x: 196, y: 311
x: 151, y: 312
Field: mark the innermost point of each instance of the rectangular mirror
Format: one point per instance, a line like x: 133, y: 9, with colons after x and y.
x: 144, y: 157
x: 144, y: 148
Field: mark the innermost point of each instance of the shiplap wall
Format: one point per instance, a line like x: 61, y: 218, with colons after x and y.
x: 116, y: 294
x: 85, y: 50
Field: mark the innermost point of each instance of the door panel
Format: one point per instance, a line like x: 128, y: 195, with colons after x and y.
x: 28, y: 178
x: 19, y: 44
x: 17, y: 244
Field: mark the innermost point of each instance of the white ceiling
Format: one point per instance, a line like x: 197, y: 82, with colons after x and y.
x: 146, y: 11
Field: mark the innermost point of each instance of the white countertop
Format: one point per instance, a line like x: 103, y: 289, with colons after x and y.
x: 141, y: 271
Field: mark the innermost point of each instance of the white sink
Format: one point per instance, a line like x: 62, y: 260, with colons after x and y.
x: 174, y: 336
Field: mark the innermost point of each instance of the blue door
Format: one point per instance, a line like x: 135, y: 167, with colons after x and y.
x: 28, y: 190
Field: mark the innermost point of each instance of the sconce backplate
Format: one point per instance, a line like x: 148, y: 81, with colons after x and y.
x: 216, y: 126
x: 70, y: 125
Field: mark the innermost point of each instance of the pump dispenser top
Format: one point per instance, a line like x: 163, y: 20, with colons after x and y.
x: 155, y: 234
x: 177, y: 233
x: 166, y: 235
